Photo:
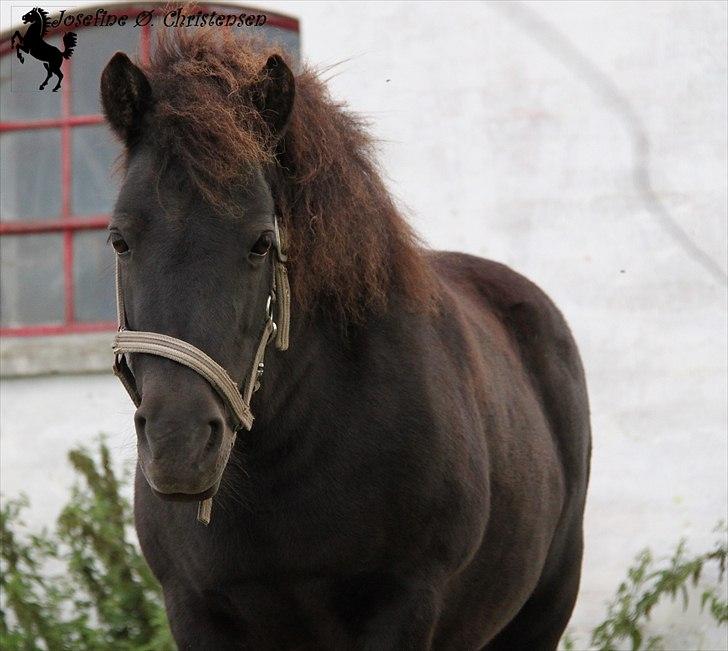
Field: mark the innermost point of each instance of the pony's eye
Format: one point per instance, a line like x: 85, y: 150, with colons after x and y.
x: 262, y: 245
x: 119, y: 244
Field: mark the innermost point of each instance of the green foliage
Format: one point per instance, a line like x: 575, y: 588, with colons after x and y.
x: 647, y: 585
x: 567, y: 642
x: 105, y: 596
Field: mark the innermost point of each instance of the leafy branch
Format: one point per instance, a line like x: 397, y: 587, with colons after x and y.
x: 106, y: 597
x: 647, y: 585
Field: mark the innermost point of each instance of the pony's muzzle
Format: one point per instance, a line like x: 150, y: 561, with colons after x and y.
x: 183, y: 445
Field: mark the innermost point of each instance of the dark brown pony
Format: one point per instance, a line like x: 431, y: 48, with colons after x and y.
x: 416, y: 473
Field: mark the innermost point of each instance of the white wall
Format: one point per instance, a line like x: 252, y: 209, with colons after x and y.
x: 503, y: 139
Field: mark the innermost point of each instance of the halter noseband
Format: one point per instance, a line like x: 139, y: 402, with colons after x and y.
x: 237, y: 398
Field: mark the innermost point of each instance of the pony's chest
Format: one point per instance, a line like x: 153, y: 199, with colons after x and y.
x: 262, y: 552
x: 275, y: 582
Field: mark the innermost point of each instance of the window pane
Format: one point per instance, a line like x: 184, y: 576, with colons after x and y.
x: 94, y: 154
x: 31, y: 279
x: 30, y: 175
x: 93, y: 277
x: 96, y: 45
x: 20, y: 98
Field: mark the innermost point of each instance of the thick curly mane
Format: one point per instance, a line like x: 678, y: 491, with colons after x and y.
x: 349, y: 247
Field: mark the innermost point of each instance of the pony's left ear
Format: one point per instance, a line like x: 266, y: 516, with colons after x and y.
x: 273, y: 94
x: 126, y: 96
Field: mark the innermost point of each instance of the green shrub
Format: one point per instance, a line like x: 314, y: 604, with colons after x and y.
x: 104, y: 597
x: 647, y: 584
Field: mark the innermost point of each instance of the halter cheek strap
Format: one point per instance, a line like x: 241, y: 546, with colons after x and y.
x: 237, y: 398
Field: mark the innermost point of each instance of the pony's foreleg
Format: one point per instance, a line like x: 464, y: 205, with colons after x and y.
x: 195, y: 625
x: 407, y: 621
x: 45, y: 81
x: 21, y: 45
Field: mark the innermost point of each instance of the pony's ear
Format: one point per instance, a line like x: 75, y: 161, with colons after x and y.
x: 273, y: 94
x: 126, y: 96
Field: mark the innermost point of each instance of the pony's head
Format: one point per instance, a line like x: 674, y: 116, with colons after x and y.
x: 196, y: 266
x: 215, y: 145
x: 35, y: 15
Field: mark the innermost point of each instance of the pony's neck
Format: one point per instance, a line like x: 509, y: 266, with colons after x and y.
x: 295, y: 379
x: 36, y: 28
x: 287, y: 411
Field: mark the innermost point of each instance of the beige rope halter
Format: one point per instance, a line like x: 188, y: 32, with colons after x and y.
x: 236, y: 397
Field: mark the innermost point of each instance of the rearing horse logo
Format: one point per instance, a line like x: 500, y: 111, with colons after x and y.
x: 32, y: 43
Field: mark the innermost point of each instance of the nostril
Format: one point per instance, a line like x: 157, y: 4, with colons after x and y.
x: 213, y: 440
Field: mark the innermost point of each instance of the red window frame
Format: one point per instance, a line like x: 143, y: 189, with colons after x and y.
x: 69, y: 223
